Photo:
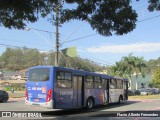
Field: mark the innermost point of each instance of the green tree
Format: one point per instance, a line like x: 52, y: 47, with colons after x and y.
x: 51, y: 58
x: 107, y: 17
x: 134, y: 65
x: 152, y: 65
x: 17, y: 59
x: 156, y: 79
x: 139, y: 67
x: 118, y: 70
x: 6, y: 56
x: 154, y: 5
x: 128, y: 66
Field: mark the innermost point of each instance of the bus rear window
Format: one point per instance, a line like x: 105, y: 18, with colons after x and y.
x: 39, y: 74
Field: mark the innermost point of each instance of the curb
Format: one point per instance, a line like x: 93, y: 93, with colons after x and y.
x: 20, y: 98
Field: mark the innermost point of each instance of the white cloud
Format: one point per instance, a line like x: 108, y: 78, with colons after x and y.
x: 126, y: 48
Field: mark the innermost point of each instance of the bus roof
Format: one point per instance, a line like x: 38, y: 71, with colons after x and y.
x: 80, y: 72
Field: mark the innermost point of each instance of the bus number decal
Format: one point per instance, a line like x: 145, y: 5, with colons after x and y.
x: 36, y: 88
x: 66, y: 93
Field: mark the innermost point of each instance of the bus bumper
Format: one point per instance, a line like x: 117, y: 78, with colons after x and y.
x: 48, y: 105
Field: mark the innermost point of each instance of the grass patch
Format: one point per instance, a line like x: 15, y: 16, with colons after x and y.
x: 145, y: 97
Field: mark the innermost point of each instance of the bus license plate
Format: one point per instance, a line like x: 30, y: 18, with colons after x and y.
x: 36, y: 100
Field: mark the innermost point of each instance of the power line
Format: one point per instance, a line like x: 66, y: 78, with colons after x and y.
x: 97, y: 33
x: 87, y: 35
x: 148, y: 18
x: 95, y: 59
x: 80, y: 38
x: 72, y: 33
x: 3, y: 39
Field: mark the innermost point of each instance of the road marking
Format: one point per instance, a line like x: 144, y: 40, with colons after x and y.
x: 157, y: 108
x: 141, y: 100
x: 16, y: 99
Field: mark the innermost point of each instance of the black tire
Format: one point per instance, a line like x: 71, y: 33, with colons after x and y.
x: 5, y: 100
x: 90, y: 104
x: 120, y: 99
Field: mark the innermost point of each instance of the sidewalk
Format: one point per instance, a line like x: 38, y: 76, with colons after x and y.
x: 16, y: 94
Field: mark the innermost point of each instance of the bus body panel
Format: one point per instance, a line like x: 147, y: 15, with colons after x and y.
x: 63, y: 98
x: 89, y: 93
x: 74, y: 96
x: 99, y: 96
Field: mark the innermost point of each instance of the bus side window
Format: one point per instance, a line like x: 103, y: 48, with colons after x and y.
x: 119, y: 84
x: 64, y: 79
x: 98, y: 82
x: 67, y: 76
x: 104, y: 83
x: 60, y: 75
x: 113, y: 84
x: 89, y: 81
x: 124, y: 87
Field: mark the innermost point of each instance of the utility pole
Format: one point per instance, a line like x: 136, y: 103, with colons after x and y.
x: 57, y: 34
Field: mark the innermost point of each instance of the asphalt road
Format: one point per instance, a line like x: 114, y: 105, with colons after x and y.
x: 100, y: 112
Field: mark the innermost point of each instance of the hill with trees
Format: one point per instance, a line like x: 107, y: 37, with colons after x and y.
x: 152, y: 65
x: 17, y: 59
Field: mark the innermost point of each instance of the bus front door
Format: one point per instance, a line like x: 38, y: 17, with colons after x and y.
x: 78, y: 91
x: 125, y: 87
x: 106, y: 90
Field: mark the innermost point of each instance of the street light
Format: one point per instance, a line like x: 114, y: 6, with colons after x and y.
x: 27, y: 29
x: 40, y: 35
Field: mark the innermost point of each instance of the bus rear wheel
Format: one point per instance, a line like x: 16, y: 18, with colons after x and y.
x: 120, y: 99
x: 90, y: 104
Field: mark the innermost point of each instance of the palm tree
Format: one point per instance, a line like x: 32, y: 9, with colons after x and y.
x: 139, y: 67
x: 117, y: 70
x: 128, y: 66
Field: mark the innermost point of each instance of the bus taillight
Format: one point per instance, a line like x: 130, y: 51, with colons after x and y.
x: 49, y: 95
x: 26, y: 94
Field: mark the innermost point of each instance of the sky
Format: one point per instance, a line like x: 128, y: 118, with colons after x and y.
x: 143, y: 41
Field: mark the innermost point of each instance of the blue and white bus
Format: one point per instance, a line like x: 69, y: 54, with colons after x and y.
x: 64, y: 88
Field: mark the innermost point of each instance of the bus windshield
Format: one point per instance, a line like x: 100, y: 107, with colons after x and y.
x: 39, y: 74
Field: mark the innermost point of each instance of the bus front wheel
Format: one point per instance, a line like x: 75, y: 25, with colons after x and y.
x: 90, y: 104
